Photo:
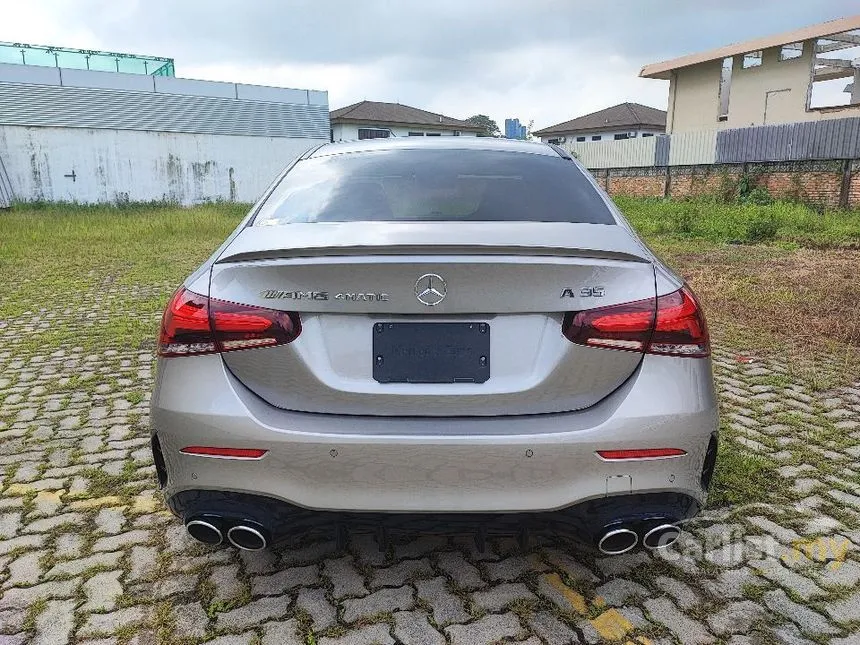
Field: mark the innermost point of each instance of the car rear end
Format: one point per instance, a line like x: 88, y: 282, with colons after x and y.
x: 448, y: 328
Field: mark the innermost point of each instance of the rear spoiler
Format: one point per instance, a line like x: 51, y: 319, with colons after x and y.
x: 601, y: 241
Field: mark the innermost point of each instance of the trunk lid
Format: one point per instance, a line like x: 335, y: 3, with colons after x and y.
x: 519, y: 278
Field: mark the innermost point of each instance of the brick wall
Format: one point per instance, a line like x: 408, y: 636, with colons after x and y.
x: 819, y: 183
x: 637, y: 185
x: 854, y: 184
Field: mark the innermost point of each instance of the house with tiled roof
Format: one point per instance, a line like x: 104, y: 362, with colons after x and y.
x: 623, y: 121
x: 376, y: 120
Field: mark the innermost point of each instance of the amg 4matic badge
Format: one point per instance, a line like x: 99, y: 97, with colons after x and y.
x: 370, y: 296
x: 585, y: 292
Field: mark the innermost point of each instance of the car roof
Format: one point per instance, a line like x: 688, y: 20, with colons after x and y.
x: 434, y: 143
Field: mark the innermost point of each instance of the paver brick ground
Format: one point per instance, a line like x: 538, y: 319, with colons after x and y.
x: 89, y: 554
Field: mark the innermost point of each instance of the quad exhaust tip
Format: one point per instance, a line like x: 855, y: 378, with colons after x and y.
x: 246, y: 538
x: 661, y: 536
x: 618, y: 541
x: 204, y: 532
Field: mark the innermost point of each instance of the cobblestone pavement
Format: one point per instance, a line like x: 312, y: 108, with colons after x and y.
x: 88, y: 553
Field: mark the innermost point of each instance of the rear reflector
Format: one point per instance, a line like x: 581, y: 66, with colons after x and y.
x: 641, y: 453
x: 671, y: 325
x: 193, y: 324
x: 231, y: 453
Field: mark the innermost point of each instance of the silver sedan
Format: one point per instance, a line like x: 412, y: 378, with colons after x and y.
x: 458, y: 328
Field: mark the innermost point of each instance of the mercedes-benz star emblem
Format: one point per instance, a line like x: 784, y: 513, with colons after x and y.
x: 430, y: 289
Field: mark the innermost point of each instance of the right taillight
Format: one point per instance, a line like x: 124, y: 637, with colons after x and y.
x: 680, y: 329
x: 670, y: 325
x: 193, y: 324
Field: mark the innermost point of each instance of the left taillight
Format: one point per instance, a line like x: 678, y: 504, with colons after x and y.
x: 193, y: 324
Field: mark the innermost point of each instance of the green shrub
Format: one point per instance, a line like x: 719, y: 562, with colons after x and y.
x: 758, y: 196
x: 684, y: 219
x: 762, y: 229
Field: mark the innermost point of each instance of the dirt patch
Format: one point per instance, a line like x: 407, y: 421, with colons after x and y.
x: 803, y: 303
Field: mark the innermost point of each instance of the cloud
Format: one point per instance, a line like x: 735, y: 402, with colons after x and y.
x: 546, y: 60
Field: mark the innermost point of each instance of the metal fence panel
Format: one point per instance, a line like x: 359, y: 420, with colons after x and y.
x: 693, y: 148
x: 828, y: 139
x: 661, y: 153
x: 625, y: 153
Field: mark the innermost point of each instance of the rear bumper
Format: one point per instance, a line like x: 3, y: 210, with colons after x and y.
x: 435, y: 465
x: 587, y: 521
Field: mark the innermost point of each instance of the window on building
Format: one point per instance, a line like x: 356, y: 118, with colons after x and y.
x: 835, y: 79
x: 647, y: 134
x: 580, y: 139
x: 790, y: 51
x: 416, y: 134
x: 725, y: 88
x: 752, y: 59
x: 621, y: 135
x: 434, y: 134
x: 595, y: 137
x: 373, y: 133
x: 456, y: 133
x: 555, y: 141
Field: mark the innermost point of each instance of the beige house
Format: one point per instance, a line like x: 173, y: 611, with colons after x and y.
x: 804, y: 75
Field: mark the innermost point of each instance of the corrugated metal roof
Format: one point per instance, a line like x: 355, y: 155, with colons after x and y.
x: 84, y: 107
x: 623, y: 116
x: 821, y: 30
x: 395, y: 113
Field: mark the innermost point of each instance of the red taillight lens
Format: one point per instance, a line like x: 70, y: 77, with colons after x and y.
x: 185, y: 326
x: 193, y: 324
x: 681, y: 329
x: 671, y: 325
x: 244, y: 327
x: 626, y: 326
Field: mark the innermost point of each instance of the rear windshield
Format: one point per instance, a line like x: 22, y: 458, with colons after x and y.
x: 434, y: 185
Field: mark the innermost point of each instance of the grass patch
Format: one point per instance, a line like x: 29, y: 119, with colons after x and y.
x: 33, y: 611
x: 127, y: 260
x: 740, y: 477
x: 721, y: 222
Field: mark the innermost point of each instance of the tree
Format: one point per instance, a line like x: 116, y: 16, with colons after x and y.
x: 489, y: 127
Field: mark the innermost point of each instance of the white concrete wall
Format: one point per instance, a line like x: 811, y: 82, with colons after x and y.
x: 127, y: 165
x: 604, y: 136
x: 349, y: 132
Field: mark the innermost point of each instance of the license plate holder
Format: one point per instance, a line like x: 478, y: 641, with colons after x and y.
x: 431, y: 352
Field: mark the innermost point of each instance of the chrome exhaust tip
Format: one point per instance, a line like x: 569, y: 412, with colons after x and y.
x: 246, y: 538
x: 661, y: 536
x: 617, y: 542
x: 204, y: 532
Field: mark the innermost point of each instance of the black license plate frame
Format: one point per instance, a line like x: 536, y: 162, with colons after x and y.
x: 431, y: 352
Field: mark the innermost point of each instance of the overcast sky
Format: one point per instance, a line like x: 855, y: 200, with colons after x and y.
x: 546, y: 60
